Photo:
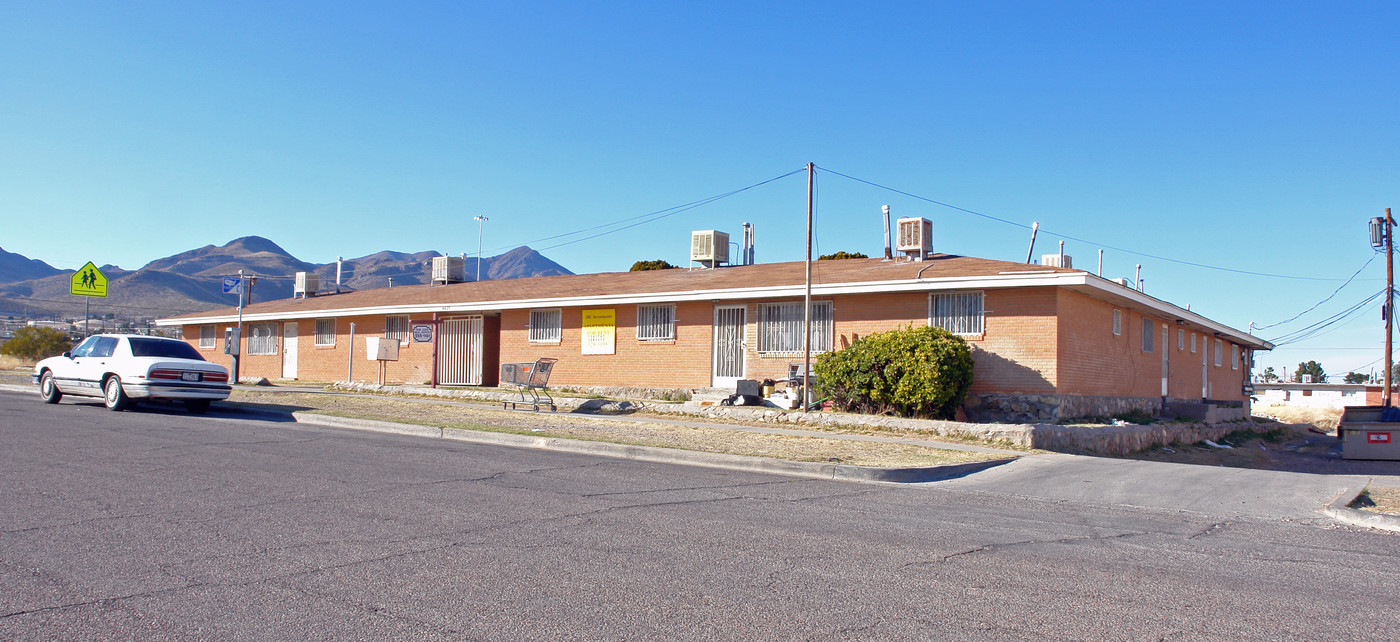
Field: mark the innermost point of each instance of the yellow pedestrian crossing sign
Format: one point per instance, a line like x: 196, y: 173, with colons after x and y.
x: 88, y: 281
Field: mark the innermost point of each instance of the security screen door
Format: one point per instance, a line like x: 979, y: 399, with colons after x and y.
x: 730, y: 325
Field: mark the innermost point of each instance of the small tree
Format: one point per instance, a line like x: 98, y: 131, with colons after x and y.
x: 36, y: 343
x: 842, y: 255
x: 1269, y: 375
x: 1310, y: 368
x: 658, y: 264
x: 1355, y: 377
x: 921, y: 372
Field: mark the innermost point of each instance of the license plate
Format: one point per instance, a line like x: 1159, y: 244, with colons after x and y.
x: 189, y: 376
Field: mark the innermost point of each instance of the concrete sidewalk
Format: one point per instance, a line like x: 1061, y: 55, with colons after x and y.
x: 1226, y: 493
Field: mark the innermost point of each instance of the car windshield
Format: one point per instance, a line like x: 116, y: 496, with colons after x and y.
x: 163, y: 348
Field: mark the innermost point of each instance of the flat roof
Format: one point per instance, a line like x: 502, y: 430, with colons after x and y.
x: 747, y: 282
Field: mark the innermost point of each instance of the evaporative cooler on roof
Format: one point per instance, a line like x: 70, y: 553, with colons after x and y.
x: 709, y: 247
x: 915, y: 237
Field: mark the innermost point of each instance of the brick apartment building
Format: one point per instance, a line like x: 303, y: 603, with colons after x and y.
x: 1049, y: 343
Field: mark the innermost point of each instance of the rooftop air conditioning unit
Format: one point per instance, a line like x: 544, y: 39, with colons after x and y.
x: 449, y: 269
x: 709, y: 247
x: 915, y: 237
x: 305, y: 284
x: 1125, y: 282
x: 1056, y: 260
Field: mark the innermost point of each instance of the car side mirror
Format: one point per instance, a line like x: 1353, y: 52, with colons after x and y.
x: 68, y: 355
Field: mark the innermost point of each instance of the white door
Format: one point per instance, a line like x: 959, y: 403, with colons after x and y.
x: 730, y: 327
x: 1166, y: 347
x: 289, y: 350
x: 459, y: 351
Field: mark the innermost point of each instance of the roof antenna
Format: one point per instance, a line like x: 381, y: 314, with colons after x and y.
x: 1035, y: 227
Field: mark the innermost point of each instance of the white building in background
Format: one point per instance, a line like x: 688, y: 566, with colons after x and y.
x: 1312, y: 395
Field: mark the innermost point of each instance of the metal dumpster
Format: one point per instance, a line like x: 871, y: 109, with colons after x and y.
x: 1365, y: 436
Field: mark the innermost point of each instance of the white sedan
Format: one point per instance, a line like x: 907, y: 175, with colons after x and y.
x: 123, y: 369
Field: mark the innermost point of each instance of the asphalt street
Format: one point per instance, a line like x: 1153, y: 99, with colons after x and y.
x: 157, y: 524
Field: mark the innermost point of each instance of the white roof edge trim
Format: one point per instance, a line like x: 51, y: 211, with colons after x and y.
x: 1025, y: 279
x: 856, y: 287
x: 1173, y: 310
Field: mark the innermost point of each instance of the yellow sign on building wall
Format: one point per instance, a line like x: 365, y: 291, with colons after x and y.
x: 88, y: 281
x: 600, y: 331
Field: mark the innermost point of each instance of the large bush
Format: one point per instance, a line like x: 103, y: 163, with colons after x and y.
x: 911, y: 372
x: 35, y: 343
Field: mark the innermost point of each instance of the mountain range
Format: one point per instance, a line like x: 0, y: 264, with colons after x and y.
x: 192, y: 281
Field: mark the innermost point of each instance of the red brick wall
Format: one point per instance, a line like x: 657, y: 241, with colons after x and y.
x: 1093, y: 361
x: 1037, y: 341
x: 324, y: 363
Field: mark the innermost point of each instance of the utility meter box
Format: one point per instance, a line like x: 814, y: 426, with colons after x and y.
x: 381, y: 349
x: 1365, y: 436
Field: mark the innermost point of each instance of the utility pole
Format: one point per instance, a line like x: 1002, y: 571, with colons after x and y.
x: 807, y: 300
x: 1389, y: 300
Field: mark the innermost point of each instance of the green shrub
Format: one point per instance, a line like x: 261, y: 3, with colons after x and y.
x: 36, y: 343
x: 911, y: 372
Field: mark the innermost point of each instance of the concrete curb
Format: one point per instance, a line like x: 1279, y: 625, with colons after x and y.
x: 664, y: 455
x: 1340, y: 511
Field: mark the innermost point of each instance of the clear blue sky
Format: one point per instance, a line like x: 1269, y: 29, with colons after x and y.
x: 1254, y: 137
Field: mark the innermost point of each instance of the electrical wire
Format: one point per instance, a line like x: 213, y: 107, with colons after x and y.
x: 649, y: 217
x: 1318, y: 327
x: 1314, y: 307
x: 1075, y: 238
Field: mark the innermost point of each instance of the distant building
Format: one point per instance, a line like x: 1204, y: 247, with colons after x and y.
x: 1049, y: 343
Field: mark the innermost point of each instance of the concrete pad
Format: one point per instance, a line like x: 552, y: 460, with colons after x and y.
x: 1211, y: 490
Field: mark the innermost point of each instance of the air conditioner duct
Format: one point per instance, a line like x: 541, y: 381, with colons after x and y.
x: 449, y: 269
x: 1057, y: 260
x: 305, y: 284
x: 709, y: 247
x: 914, y: 237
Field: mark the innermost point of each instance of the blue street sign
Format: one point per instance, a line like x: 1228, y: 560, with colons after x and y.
x: 232, y: 284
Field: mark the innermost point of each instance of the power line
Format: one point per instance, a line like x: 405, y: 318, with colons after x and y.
x: 649, y: 217
x: 1329, y: 298
x: 1075, y: 238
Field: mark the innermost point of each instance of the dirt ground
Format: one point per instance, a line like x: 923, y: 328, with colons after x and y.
x: 666, y: 435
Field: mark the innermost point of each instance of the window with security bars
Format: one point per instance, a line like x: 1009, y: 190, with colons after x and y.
x: 957, y: 312
x: 780, y: 327
x: 325, y: 332
x: 656, y: 322
x: 262, y: 338
x: 1234, y: 357
x: 1219, y: 348
x: 1147, y: 335
x: 546, y: 326
x: 208, y: 334
x: 396, y: 327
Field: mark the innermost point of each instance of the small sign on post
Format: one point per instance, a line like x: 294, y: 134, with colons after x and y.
x: 233, y: 285
x: 422, y: 333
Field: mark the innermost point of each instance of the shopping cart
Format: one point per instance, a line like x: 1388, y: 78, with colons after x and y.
x: 532, y: 377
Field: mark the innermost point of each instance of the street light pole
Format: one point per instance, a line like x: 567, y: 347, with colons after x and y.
x: 480, y: 226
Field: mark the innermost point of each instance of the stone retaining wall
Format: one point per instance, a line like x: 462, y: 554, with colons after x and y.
x: 1097, y: 439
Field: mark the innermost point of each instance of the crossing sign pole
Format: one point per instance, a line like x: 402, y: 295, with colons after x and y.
x: 88, y: 282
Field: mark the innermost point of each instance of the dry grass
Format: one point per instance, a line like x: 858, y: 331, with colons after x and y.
x: 642, y: 433
x: 1325, y: 419
x: 8, y: 362
x: 1378, y: 499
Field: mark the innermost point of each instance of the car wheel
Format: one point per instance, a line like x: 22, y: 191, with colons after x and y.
x: 114, y: 396
x: 48, y: 390
x: 197, y: 406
